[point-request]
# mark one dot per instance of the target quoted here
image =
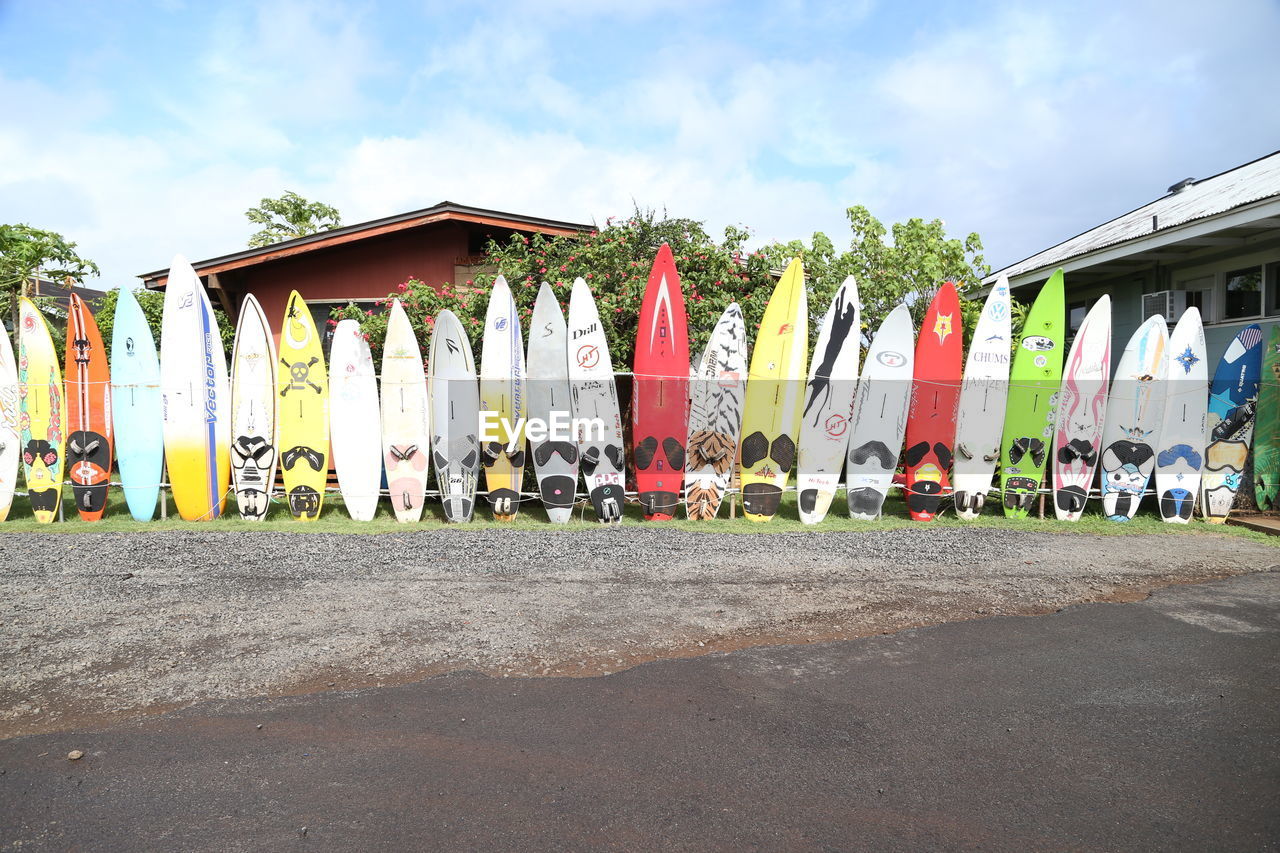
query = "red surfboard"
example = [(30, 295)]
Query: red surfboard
[(89, 438), (935, 393), (660, 391)]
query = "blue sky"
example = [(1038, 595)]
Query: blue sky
[(140, 130)]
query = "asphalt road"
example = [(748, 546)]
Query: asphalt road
[(1144, 726)]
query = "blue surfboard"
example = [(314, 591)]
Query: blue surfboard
[(135, 407)]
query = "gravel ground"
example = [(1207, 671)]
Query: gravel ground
[(126, 624)]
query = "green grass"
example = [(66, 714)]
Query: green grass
[(333, 519)]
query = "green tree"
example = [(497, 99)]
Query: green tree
[(26, 252), (290, 216), (616, 261), (908, 268)]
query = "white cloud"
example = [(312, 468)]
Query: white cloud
[(1025, 125)]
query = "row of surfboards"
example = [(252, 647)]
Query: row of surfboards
[(224, 433)]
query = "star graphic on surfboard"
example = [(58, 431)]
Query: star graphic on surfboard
[(1187, 360)]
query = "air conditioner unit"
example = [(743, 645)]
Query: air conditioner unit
[(1168, 303)]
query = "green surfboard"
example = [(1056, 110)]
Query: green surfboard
[(1266, 430), (1034, 380)]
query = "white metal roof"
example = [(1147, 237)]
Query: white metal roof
[(1203, 199)]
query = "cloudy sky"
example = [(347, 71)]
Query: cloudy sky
[(139, 130)]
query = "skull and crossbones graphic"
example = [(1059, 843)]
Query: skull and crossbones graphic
[(300, 376)]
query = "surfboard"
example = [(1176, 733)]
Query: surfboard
[(455, 417), (254, 446), (828, 404), (717, 392), (880, 415), (1233, 398), (981, 409), (595, 406), (1082, 412), (1266, 436), (1180, 453), (775, 393), (10, 411), (660, 391), (42, 416), (1135, 411), (195, 395), (302, 411), (88, 389), (555, 454), (935, 393), (353, 410), (503, 398), (1031, 413), (136, 411), (406, 422)]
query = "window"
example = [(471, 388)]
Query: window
[(1244, 294), (1076, 312), (320, 313), (1271, 279)]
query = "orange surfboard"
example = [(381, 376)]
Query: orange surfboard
[(89, 440)]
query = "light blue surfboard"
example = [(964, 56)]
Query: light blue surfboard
[(135, 407)]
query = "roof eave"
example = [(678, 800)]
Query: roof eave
[(444, 211), (1239, 216)]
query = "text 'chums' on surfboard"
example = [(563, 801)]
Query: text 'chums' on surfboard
[(961, 399)]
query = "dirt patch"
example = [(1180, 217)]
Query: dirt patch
[(220, 615)]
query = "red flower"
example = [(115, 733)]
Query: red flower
[(402, 287)]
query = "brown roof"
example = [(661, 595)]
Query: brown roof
[(444, 211)]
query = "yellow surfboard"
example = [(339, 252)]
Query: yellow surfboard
[(43, 414), (303, 410), (775, 393)]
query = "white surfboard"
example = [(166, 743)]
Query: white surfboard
[(1134, 413), (1082, 412), (455, 417), (254, 447), (196, 392), (717, 390), (406, 436), (880, 415), (354, 421), (983, 394), (595, 400), (828, 404), (10, 440), (1180, 453), (503, 393), (555, 457)]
